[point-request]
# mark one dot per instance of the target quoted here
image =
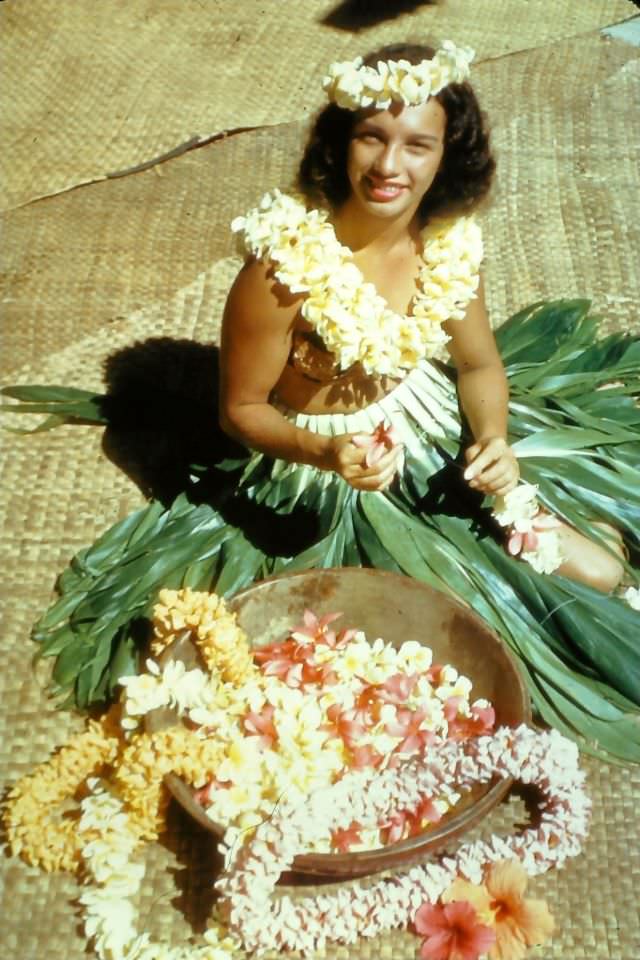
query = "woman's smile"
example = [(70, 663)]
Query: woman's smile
[(383, 191), (394, 156)]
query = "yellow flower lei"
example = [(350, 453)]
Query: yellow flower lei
[(212, 627), (354, 321), (36, 828)]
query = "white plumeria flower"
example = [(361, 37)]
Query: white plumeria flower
[(518, 507), (548, 555), (632, 597)]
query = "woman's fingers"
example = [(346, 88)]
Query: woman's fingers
[(507, 488), (492, 467), (376, 477), (487, 453)]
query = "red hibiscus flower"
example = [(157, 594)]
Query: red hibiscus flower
[(452, 931)]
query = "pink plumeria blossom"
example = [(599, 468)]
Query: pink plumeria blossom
[(461, 727), (407, 725), (343, 724), (409, 823), (343, 839), (398, 688), (261, 724), (315, 629), (203, 795), (293, 663), (377, 443), (365, 756), (450, 708)]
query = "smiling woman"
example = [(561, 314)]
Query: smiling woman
[(361, 447)]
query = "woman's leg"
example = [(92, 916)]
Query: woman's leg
[(590, 562)]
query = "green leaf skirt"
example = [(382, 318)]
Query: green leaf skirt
[(575, 427)]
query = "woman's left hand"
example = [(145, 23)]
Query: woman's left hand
[(492, 467)]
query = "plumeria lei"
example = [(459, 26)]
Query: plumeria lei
[(353, 320), (117, 816), (354, 86), (533, 534), (256, 921)]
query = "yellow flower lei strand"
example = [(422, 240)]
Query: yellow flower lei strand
[(32, 829), (223, 645), (139, 765), (148, 759)]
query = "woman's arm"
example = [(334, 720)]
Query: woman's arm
[(484, 397), (258, 323)]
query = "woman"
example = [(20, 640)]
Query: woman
[(359, 452), (391, 158)]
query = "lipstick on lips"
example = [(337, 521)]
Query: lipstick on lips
[(383, 191)]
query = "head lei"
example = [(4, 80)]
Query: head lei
[(353, 86)]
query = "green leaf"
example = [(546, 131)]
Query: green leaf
[(71, 660), (49, 424), (561, 442), (535, 333), (125, 660), (38, 393), (240, 563)]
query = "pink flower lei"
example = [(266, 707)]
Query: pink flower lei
[(546, 760)]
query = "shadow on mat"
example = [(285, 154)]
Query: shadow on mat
[(161, 405), (162, 412), (360, 14)]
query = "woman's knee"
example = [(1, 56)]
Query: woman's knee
[(590, 562)]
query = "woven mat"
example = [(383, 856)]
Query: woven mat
[(152, 254), (149, 255), (95, 88)]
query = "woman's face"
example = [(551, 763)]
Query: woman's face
[(394, 156)]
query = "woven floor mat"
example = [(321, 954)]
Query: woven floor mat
[(62, 492), (84, 262), (93, 89), (149, 254)]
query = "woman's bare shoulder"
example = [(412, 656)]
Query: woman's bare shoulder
[(256, 289)]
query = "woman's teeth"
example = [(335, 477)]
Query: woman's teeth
[(381, 191)]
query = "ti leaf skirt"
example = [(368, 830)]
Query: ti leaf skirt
[(575, 427)]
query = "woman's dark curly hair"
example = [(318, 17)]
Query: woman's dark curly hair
[(467, 166)]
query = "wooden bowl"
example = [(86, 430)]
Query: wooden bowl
[(397, 609)]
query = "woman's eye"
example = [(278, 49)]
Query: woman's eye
[(368, 137)]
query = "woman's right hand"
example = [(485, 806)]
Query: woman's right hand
[(348, 460)]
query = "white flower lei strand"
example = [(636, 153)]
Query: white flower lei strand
[(352, 319), (547, 760), (533, 534), (109, 912), (353, 86)]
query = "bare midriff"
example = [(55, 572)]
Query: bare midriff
[(312, 383)]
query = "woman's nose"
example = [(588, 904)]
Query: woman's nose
[(387, 160)]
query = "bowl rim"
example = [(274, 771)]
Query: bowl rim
[(401, 853)]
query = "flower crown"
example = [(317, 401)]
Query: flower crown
[(351, 85)]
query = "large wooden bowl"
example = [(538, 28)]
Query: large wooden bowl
[(395, 608)]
